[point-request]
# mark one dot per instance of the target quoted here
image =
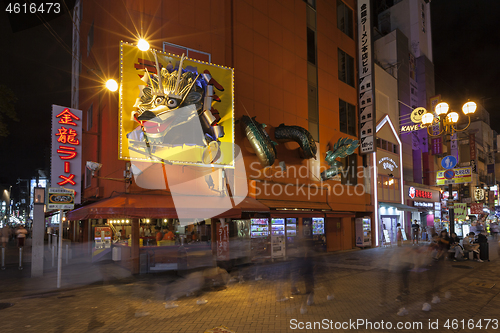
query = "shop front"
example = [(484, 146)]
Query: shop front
[(143, 233), (426, 200)]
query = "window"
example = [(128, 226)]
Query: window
[(90, 39), (346, 68), (347, 117), (350, 170), (388, 146), (90, 117), (344, 18), (313, 112), (311, 46)]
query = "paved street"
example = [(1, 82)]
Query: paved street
[(358, 279)]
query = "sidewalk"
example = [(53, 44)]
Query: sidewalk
[(358, 279)]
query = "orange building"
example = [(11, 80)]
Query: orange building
[(294, 63)]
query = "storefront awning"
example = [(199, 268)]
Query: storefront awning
[(286, 208), (399, 206), (286, 204), (147, 205)]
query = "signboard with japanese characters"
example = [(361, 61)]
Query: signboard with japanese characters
[(460, 210), (473, 155), (460, 176), (66, 160), (222, 242), (476, 208), (366, 91)]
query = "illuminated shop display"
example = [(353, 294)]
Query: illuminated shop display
[(278, 227), (174, 109), (66, 149), (259, 228), (318, 224), (291, 227)]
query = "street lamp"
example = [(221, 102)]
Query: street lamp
[(448, 120)]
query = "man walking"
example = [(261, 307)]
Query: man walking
[(415, 231)]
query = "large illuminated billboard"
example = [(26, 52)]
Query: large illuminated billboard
[(175, 109)]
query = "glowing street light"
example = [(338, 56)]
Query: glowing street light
[(143, 45), (112, 85), (448, 119)]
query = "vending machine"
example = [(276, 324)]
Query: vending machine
[(363, 232), (291, 229), (278, 238), (259, 235)]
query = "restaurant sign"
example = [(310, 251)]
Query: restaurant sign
[(66, 156)]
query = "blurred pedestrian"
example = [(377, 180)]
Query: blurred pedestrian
[(399, 235), (494, 230), (21, 233), (5, 235)]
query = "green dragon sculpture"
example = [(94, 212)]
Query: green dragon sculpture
[(343, 148)]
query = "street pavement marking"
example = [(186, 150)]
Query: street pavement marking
[(482, 284)]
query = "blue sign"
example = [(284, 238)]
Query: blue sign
[(449, 162)]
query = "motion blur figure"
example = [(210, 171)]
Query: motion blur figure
[(193, 284)]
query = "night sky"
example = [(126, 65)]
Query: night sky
[(38, 69)]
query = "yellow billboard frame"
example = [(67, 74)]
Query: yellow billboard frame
[(131, 73)]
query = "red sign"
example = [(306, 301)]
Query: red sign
[(414, 193), (476, 208), (222, 242)]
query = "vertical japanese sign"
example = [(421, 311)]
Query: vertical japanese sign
[(66, 159), (437, 146), (473, 155), (222, 242), (366, 90)]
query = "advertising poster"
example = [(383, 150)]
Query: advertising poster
[(460, 210), (102, 243), (174, 108)]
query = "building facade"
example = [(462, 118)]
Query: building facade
[(292, 65)]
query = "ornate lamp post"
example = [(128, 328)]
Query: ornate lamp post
[(448, 121)]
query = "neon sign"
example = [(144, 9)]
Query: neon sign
[(66, 148)]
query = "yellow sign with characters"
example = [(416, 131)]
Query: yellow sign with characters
[(175, 109), (454, 176)]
